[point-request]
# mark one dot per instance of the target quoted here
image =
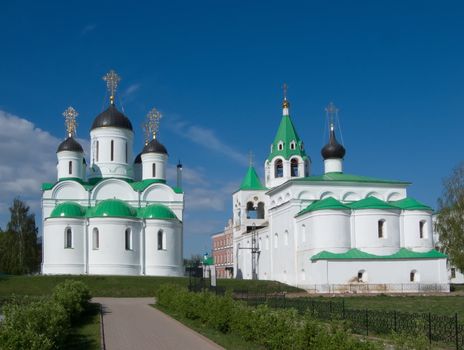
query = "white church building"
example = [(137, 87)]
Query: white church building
[(116, 216), (334, 232)]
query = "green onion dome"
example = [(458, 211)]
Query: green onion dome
[(113, 208), (158, 211), (68, 210)]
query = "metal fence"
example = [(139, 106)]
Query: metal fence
[(378, 288), (439, 329)]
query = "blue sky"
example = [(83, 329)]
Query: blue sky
[(215, 69)]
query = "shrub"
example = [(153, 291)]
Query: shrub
[(74, 296), (271, 328), (36, 326)]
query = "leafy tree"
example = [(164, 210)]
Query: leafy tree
[(450, 218), (18, 244)]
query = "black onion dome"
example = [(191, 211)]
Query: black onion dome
[(70, 144), (333, 150), (138, 159), (154, 147), (112, 117)]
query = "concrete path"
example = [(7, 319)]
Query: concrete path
[(131, 323)]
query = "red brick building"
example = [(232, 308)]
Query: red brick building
[(223, 252)]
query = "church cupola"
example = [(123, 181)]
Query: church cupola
[(287, 158), (111, 138), (70, 154), (333, 152), (154, 155)]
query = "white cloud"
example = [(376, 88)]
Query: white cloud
[(206, 138), (131, 90), (28, 158), (88, 28)]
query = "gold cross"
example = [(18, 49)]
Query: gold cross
[(153, 121), (70, 115), (112, 80)]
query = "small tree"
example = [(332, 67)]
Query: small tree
[(18, 245), (450, 218)]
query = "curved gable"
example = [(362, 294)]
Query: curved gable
[(113, 188), (158, 192), (69, 190)]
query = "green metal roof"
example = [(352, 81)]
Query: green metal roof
[(112, 208), (68, 210), (138, 186), (371, 203), (342, 177), (157, 211), (410, 204), (355, 254), (208, 261), (287, 133), (251, 181), (323, 204)]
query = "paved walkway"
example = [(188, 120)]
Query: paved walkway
[(131, 323)]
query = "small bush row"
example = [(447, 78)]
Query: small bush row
[(43, 324), (271, 328)]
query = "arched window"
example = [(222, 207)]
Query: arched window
[(250, 211), (414, 276), (303, 233), (112, 150), (70, 167), (279, 168), (422, 229), (286, 237), (292, 145), (126, 152), (381, 231), (95, 238), (260, 211), (294, 167), (267, 242), (153, 169), (161, 240), (362, 276), (97, 149), (128, 239), (276, 238), (280, 146), (68, 238)]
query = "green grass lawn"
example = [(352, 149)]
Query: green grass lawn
[(119, 286), (85, 333), (445, 305)]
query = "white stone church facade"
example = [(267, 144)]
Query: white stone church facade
[(118, 216), (333, 232)]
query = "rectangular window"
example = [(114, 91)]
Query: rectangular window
[(112, 150), (154, 170), (126, 152), (97, 149), (70, 167)]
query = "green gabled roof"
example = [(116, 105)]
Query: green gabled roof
[(68, 210), (157, 211), (251, 181), (341, 177), (354, 254), (287, 133), (371, 203), (140, 186), (112, 208), (324, 204), (410, 204)]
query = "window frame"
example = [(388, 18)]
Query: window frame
[(68, 240)]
